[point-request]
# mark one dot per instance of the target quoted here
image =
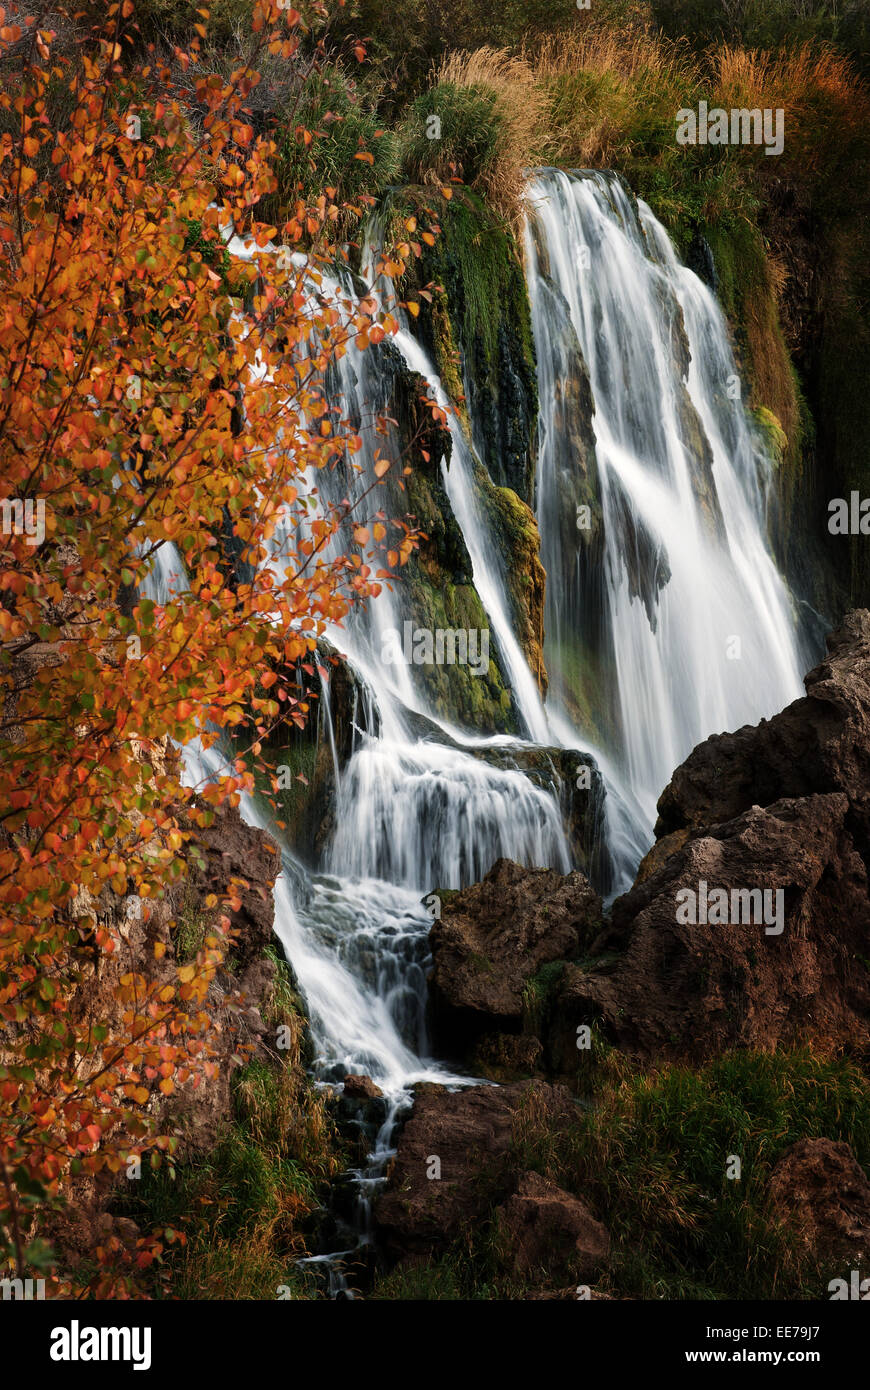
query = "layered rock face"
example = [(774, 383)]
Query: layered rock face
[(777, 816)]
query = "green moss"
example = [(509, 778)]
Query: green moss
[(479, 329)]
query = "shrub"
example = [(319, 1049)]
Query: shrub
[(328, 133), (489, 110)]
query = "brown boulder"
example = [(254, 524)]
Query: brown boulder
[(548, 1230), (493, 937), (454, 1162), (820, 743), (820, 1189), (361, 1088), (232, 852), (695, 989), (785, 808)]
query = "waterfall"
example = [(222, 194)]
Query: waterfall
[(647, 593), (666, 617)]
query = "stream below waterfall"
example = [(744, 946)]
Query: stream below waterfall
[(666, 620)]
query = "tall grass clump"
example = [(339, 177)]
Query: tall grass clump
[(651, 1154), (328, 133), (611, 97), (481, 123)]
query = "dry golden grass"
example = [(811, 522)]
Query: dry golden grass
[(519, 109), (600, 51), (605, 91), (826, 106)]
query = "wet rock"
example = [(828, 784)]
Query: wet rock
[(646, 562), (493, 938), (341, 711), (514, 530), (454, 1160), (361, 1088), (548, 1231), (699, 258), (437, 582), (819, 743), (822, 1191), (555, 770)]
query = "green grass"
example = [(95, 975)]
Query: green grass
[(649, 1155), (652, 1156), (244, 1205), (329, 134)]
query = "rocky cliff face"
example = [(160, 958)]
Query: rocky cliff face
[(780, 809)]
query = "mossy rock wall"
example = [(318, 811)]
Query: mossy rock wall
[(478, 328), (437, 586)]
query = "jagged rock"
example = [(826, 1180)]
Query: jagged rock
[(819, 743), (683, 989), (781, 808), (820, 1189), (362, 1088), (547, 1229), (494, 937), (470, 1134), (233, 849)]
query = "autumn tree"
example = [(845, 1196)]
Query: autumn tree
[(158, 395)]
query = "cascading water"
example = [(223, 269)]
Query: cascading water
[(639, 617), (666, 617)]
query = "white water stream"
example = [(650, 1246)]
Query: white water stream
[(679, 482)]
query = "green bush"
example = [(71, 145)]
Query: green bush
[(467, 142), (329, 135)]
